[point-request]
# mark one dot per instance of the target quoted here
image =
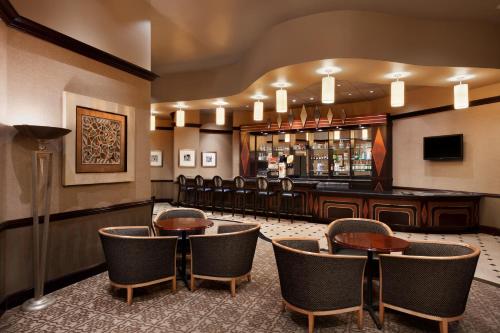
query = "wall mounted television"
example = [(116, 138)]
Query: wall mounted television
[(444, 147)]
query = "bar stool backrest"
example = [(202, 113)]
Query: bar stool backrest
[(199, 181), (286, 184), (262, 184), (217, 180), (239, 182), (182, 180)]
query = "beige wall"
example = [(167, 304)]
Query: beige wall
[(34, 74)]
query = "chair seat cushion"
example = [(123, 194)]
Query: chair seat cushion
[(187, 188), (243, 191), (265, 193), (290, 194), (221, 190), (204, 189)]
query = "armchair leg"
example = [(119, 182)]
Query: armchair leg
[(174, 285), (360, 318), (249, 277), (193, 283), (310, 319), (233, 287), (283, 306), (130, 294), (443, 326), (381, 312)]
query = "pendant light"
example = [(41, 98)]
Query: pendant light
[(328, 84), (397, 92), (220, 113), (180, 114), (152, 123), (287, 137), (461, 92), (281, 96), (258, 107)]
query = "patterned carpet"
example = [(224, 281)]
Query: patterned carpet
[(89, 306)]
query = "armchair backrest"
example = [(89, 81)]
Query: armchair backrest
[(226, 254), (134, 257), (433, 278), (318, 281), (178, 212)]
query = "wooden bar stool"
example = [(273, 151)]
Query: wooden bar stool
[(218, 188), (262, 192), (183, 188), (288, 195), (240, 192), (201, 191)]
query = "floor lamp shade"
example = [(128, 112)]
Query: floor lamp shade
[(220, 116), (328, 90), (461, 96), (281, 101), (258, 111), (397, 94)]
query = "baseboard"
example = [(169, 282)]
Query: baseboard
[(17, 298), (489, 230), (170, 201)]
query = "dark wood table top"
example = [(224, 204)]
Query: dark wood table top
[(183, 223), (370, 241)]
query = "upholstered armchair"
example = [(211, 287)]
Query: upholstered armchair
[(225, 256), (318, 284), (178, 212), (353, 225), (136, 259), (429, 280)]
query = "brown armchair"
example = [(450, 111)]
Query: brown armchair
[(225, 256), (318, 284), (136, 259), (429, 280)]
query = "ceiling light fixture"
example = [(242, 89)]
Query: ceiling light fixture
[(281, 96), (180, 115), (287, 137), (152, 123), (328, 84), (258, 107), (220, 113), (397, 89), (461, 91)]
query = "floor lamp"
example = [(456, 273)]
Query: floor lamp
[(41, 175)]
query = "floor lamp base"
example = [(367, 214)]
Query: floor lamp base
[(38, 304)]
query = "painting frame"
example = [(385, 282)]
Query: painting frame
[(209, 159), (70, 101), (187, 158), (156, 158)]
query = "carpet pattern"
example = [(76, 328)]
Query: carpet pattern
[(89, 306)]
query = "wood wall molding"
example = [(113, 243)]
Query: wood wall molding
[(215, 131), (162, 180), (488, 195), (28, 221), (13, 19), (444, 108)]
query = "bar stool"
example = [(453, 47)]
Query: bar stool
[(201, 191), (183, 188), (218, 188), (287, 194), (262, 192), (240, 192)]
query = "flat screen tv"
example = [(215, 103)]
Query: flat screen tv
[(444, 147)]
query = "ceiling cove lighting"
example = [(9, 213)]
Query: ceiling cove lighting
[(220, 113), (281, 96), (180, 115), (398, 89), (258, 107), (461, 92), (328, 84)]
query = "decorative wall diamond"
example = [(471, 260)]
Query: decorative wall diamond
[(268, 123), (317, 116), (290, 119), (303, 115), (343, 116), (379, 152), (329, 116), (278, 121), (245, 152)]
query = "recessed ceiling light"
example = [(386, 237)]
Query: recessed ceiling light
[(461, 77), (281, 84), (294, 100), (311, 98), (247, 106), (220, 102), (397, 75), (328, 70), (371, 91), (349, 94), (180, 105), (338, 84)]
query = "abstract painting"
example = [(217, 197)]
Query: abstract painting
[(100, 141)]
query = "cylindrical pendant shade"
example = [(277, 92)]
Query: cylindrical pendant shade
[(461, 96), (281, 101), (258, 111), (397, 94), (328, 90), (336, 135), (220, 116), (180, 118), (364, 134), (152, 123), (287, 137)]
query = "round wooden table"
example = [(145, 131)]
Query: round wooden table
[(183, 224), (371, 242)]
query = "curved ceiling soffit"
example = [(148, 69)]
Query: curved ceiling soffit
[(341, 34)]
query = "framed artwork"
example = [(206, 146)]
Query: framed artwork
[(209, 159), (156, 158), (187, 158), (101, 144)]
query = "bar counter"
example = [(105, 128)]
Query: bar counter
[(402, 209)]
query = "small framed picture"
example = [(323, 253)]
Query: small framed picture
[(209, 159), (156, 158), (187, 158)]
